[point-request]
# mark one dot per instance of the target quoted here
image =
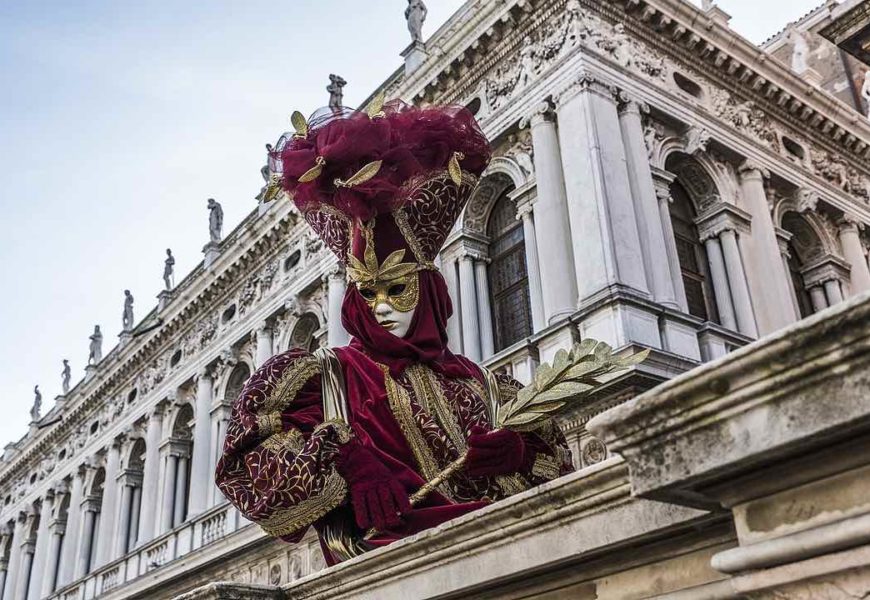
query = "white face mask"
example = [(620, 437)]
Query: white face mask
[(396, 322)]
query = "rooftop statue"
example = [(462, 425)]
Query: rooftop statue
[(215, 220), (127, 315), (95, 351), (415, 14), (66, 374), (394, 433), (169, 270), (37, 404), (336, 91)]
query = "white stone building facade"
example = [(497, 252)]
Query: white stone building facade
[(658, 182)]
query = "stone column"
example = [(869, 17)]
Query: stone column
[(41, 547), (136, 506), (18, 534), (150, 475), (818, 299), (264, 344), (180, 487), (558, 293), (200, 478), (73, 527), (536, 297), (783, 237), (737, 279), (89, 510), (767, 280), (168, 496), (122, 532), (57, 530), (26, 568), (853, 252), (454, 330), (646, 204), (109, 506), (604, 232), (663, 196), (833, 292), (336, 286), (720, 282), (4, 559), (470, 325), (487, 346)]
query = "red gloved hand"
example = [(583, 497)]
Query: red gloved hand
[(377, 497), (499, 452)]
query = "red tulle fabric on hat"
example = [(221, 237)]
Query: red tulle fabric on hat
[(410, 141)]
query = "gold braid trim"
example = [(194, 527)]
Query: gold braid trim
[(268, 423), (306, 512), (292, 440), (545, 466), (426, 387), (401, 220), (400, 405), (342, 431), (289, 384)]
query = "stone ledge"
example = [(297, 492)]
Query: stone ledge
[(803, 388), (233, 591), (567, 521)]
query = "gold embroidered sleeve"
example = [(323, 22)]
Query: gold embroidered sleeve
[(277, 462)]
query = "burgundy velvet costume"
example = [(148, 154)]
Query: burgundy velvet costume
[(412, 403)]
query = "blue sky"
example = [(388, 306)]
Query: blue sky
[(119, 119)]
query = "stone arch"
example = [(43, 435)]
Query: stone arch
[(806, 240), (302, 333), (491, 187), (135, 459), (182, 423), (785, 212), (507, 166), (232, 386), (97, 483), (696, 178)]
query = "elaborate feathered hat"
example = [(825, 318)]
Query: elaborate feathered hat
[(382, 187)]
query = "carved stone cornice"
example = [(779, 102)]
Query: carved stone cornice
[(827, 268)]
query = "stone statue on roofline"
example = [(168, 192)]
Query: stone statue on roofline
[(865, 93), (336, 91), (66, 374), (215, 220), (169, 270), (37, 404), (127, 315), (800, 50), (415, 14), (95, 353)]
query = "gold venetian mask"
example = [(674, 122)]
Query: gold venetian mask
[(401, 293), (392, 282)]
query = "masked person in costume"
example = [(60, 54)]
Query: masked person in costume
[(341, 437)]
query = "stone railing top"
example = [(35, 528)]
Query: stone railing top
[(233, 591), (592, 511), (802, 388)]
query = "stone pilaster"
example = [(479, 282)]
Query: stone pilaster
[(850, 239), (336, 285), (109, 506), (646, 204), (604, 232), (559, 294), (263, 337), (151, 474), (200, 478), (767, 280), (536, 295), (470, 324), (487, 346)]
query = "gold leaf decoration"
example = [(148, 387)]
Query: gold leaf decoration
[(361, 176), (571, 378), (375, 108), (454, 168), (311, 174), (297, 119)]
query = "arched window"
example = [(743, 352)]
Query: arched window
[(133, 479), (804, 248), (508, 275), (692, 256), (303, 333), (177, 472)]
